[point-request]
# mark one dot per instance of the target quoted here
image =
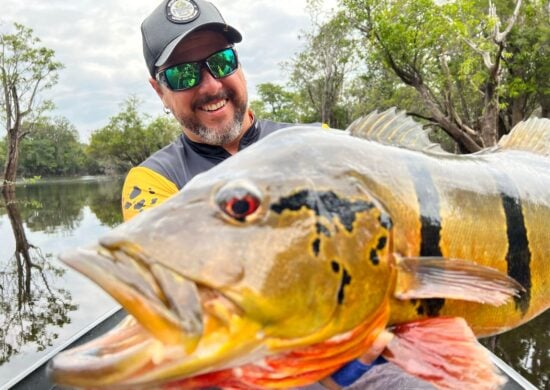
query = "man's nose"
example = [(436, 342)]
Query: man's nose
[(208, 82)]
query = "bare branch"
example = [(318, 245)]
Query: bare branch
[(500, 37)]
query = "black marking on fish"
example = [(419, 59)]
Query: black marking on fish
[(136, 191), (127, 205), (382, 243), (518, 258), (326, 204), (375, 260), (346, 280), (152, 192), (139, 205), (316, 246), (430, 222), (321, 229), (154, 200), (335, 266), (430, 307)]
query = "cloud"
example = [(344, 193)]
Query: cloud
[(99, 42)]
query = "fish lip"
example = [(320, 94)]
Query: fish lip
[(111, 244), (85, 366), (129, 274), (138, 254), (94, 363)]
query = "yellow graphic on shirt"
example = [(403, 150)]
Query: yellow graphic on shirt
[(143, 189)]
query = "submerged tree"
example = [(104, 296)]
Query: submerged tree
[(26, 69)]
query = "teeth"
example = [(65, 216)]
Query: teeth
[(214, 107)]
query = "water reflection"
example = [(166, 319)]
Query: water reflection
[(527, 350), (58, 205), (39, 296), (30, 297)]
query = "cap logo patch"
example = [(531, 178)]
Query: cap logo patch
[(182, 11)]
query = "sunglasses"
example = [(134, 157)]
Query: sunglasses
[(188, 75)]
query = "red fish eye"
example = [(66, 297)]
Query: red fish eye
[(239, 199), (240, 207)]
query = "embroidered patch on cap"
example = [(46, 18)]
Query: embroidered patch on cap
[(182, 11)]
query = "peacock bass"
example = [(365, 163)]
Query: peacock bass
[(298, 254)]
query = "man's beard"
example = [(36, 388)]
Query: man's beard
[(219, 136)]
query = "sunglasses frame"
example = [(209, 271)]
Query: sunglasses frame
[(161, 75)]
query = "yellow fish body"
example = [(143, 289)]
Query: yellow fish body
[(291, 258)]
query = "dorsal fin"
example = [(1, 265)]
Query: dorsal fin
[(532, 135), (393, 127)]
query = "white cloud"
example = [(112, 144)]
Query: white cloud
[(99, 42)]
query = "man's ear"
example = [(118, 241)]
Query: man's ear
[(157, 87)]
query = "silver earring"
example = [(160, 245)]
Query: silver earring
[(166, 110)]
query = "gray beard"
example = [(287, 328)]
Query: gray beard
[(219, 137)]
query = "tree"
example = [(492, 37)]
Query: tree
[(131, 137), (454, 54), (276, 104), (52, 149), (26, 69), (319, 71), (526, 80)]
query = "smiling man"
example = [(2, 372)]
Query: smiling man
[(194, 68)]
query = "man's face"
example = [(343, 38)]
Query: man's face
[(213, 111)]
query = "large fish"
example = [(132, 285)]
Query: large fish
[(301, 252)]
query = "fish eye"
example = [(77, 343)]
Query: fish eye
[(239, 200)]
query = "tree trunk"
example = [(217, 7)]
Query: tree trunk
[(489, 120), (10, 169), (544, 101)]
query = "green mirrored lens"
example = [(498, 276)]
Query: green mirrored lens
[(188, 75), (183, 76), (223, 63)]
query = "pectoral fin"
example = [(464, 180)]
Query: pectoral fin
[(444, 352), (419, 278)]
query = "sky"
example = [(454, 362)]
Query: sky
[(99, 43)]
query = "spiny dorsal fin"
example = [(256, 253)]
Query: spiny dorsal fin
[(393, 127), (532, 135)]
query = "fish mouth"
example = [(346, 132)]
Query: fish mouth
[(176, 327)]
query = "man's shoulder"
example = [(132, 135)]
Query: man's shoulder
[(170, 152), (166, 160)]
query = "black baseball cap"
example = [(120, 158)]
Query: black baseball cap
[(172, 21)]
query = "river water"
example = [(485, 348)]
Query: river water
[(43, 304)]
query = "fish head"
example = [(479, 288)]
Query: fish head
[(240, 260)]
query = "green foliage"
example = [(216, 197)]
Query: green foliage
[(276, 104), (131, 137), (53, 149), (465, 77)]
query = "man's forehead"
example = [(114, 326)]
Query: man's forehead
[(198, 45)]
